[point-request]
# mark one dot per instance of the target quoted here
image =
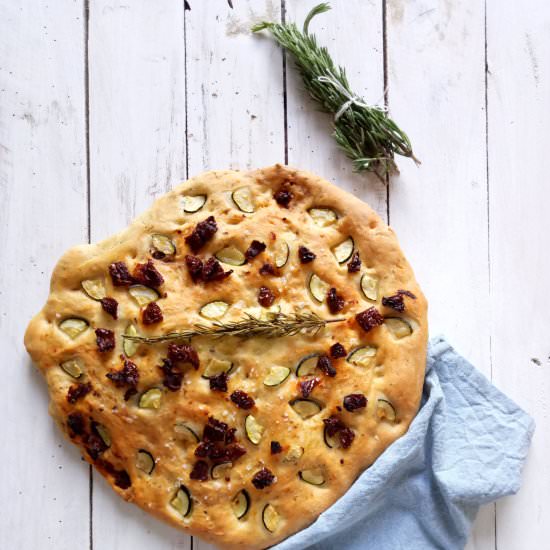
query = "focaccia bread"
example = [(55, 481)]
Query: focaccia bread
[(242, 438)]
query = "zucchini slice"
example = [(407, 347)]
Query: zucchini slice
[(306, 365), (242, 197), (323, 217), (385, 410), (216, 367), (276, 375), (129, 347), (332, 442), (214, 310), (254, 430), (182, 502), (163, 244), (143, 295), (186, 434), (362, 356), (94, 288), (73, 367), (104, 434), (145, 461), (230, 255), (369, 287), (193, 203), (221, 470), (398, 327), (317, 288), (313, 477), (73, 326), (281, 254), (150, 399), (344, 251), (270, 518), (306, 408), (240, 504)]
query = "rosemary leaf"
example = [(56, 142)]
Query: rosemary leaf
[(366, 134), (276, 326)]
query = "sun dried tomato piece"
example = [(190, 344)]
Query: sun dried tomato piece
[(354, 401), (199, 471), (230, 435), (219, 383), (333, 424), (283, 196), (214, 430), (203, 449), (172, 375), (105, 339), (110, 306), (369, 319), (396, 301), (276, 448), (94, 445), (335, 302), (265, 297), (324, 364), (127, 376), (354, 264), (213, 271), (269, 269), (306, 255), (262, 479), (194, 266), (120, 274), (129, 393), (233, 452), (78, 391), (255, 248), (147, 275), (337, 350), (151, 314), (242, 399), (406, 293), (184, 353), (346, 436), (307, 386), (76, 424), (202, 233), (122, 479)]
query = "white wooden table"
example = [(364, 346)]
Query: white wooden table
[(105, 104)]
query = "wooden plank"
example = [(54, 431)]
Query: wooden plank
[(436, 80), (352, 32), (519, 118), (137, 151), (235, 92), (43, 210)]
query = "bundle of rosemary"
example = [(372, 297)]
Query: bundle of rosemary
[(366, 134)]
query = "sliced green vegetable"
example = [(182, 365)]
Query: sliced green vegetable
[(254, 430), (240, 504), (323, 216), (344, 251), (281, 254), (73, 326), (214, 310), (73, 367), (230, 255), (314, 477), (130, 346), (276, 375), (306, 408), (193, 203), (398, 327), (182, 502), (143, 295), (163, 244), (104, 434), (385, 410), (243, 199), (221, 470), (332, 442), (306, 365), (186, 434), (216, 367), (362, 356), (270, 518), (150, 399), (369, 287), (145, 461), (94, 288), (318, 288)]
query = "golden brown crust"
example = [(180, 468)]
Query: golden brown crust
[(397, 374)]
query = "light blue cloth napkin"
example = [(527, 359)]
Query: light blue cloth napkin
[(466, 447)]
